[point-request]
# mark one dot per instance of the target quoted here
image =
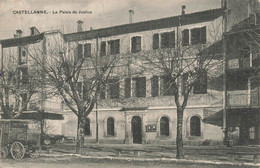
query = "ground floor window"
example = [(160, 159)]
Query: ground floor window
[(110, 127), (87, 127), (164, 126), (195, 126), (252, 133)]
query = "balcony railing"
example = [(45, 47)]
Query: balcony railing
[(243, 99)]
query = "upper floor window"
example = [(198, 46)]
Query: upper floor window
[(155, 86), (168, 40), (84, 50), (127, 87), (200, 86), (110, 127), (139, 87), (166, 88), (114, 46), (198, 35), (195, 126), (103, 48), (136, 44), (111, 90)]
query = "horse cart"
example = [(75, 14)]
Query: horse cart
[(19, 137)]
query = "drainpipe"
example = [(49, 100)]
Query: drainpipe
[(225, 128), (97, 140)]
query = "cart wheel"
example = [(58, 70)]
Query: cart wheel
[(17, 150), (4, 151)]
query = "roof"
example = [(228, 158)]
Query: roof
[(21, 41), (168, 22)]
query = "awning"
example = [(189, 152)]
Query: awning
[(234, 116), (38, 115)]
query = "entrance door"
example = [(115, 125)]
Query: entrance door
[(136, 129)]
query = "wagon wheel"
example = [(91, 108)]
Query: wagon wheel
[(61, 140), (17, 150), (4, 151)]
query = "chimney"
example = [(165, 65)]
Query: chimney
[(34, 31), (131, 13), (80, 23), (183, 7), (18, 33)]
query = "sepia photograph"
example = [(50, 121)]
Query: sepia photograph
[(130, 83)]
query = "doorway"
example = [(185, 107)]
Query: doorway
[(136, 129)]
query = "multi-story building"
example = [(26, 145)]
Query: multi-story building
[(139, 107)]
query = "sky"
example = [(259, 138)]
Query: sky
[(99, 13)]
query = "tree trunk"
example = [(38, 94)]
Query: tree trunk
[(179, 141), (80, 135)]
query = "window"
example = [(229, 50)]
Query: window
[(139, 87), (200, 86), (198, 36), (103, 92), (127, 87), (164, 126), (155, 86), (252, 133), (113, 88), (114, 46), (166, 88), (86, 89), (155, 41), (84, 50), (136, 44), (195, 126), (185, 37), (103, 48), (110, 127), (87, 127), (168, 40)]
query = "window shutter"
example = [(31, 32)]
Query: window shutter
[(133, 41), (155, 41), (80, 51), (114, 88), (103, 92), (117, 47), (172, 39), (127, 87), (87, 50), (103, 48), (183, 83), (195, 36), (201, 84), (203, 35), (138, 44), (141, 87), (185, 37), (155, 86)]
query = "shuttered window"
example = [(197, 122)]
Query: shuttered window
[(168, 40), (164, 126), (135, 44), (113, 88), (114, 46), (80, 51), (139, 87), (166, 86), (198, 36), (195, 126)]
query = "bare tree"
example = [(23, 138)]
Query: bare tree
[(77, 77), (182, 67), (19, 84)]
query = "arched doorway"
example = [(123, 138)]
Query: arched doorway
[(137, 129)]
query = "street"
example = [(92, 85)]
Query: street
[(73, 161)]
